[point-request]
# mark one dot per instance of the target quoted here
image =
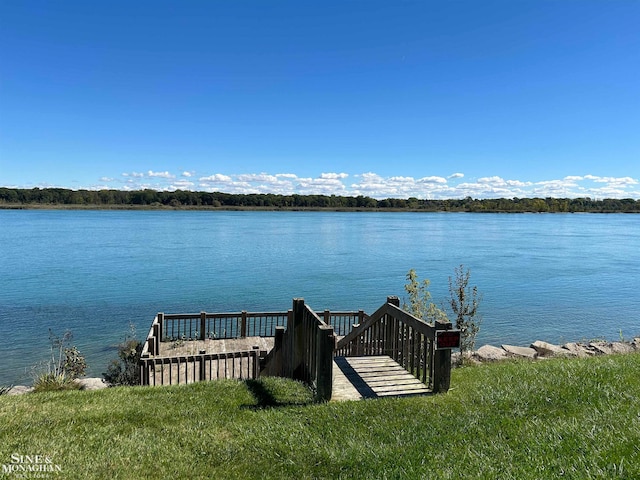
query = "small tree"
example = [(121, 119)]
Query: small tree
[(66, 360), (464, 301), (65, 365), (420, 304)]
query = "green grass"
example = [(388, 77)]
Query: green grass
[(561, 418)]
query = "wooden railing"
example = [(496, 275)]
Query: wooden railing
[(343, 322), (202, 326), (197, 368), (410, 341), (159, 368), (304, 351)]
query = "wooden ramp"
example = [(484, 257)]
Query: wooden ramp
[(355, 378)]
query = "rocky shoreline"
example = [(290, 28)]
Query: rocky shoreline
[(538, 350)]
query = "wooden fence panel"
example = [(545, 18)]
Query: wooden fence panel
[(195, 368)]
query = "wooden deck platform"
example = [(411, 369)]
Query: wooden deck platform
[(355, 378), (193, 347)]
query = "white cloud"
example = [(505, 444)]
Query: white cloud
[(495, 180), (165, 174), (518, 183), (260, 177), (402, 180), (620, 181), (573, 178), (612, 180), (432, 180), (216, 178), (326, 184), (334, 175), (554, 188), (377, 186)]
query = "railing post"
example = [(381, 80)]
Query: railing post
[(327, 317), (393, 343), (277, 368), (156, 338), (388, 335), (325, 342), (256, 361), (201, 375), (161, 323), (243, 324), (441, 368), (298, 334), (203, 325), (151, 346), (144, 373), (287, 352), (393, 300)]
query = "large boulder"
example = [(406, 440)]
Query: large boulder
[(20, 390), (489, 353), (578, 349), (92, 383), (546, 349), (622, 347), (516, 351), (609, 348), (601, 348)]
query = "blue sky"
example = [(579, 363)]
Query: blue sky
[(386, 99)]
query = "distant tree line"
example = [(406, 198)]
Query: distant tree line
[(26, 198)]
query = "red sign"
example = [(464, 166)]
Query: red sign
[(447, 339)]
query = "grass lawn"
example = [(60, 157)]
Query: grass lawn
[(559, 418)]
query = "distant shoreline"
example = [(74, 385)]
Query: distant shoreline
[(65, 199), (207, 208)]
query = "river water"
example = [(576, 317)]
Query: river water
[(554, 277)]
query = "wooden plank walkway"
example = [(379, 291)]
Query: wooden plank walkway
[(355, 378)]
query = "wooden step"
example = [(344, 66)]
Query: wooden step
[(355, 378)]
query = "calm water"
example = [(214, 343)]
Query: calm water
[(551, 277)]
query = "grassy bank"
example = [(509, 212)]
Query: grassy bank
[(557, 418)]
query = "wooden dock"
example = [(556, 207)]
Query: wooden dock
[(355, 378), (340, 355)]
